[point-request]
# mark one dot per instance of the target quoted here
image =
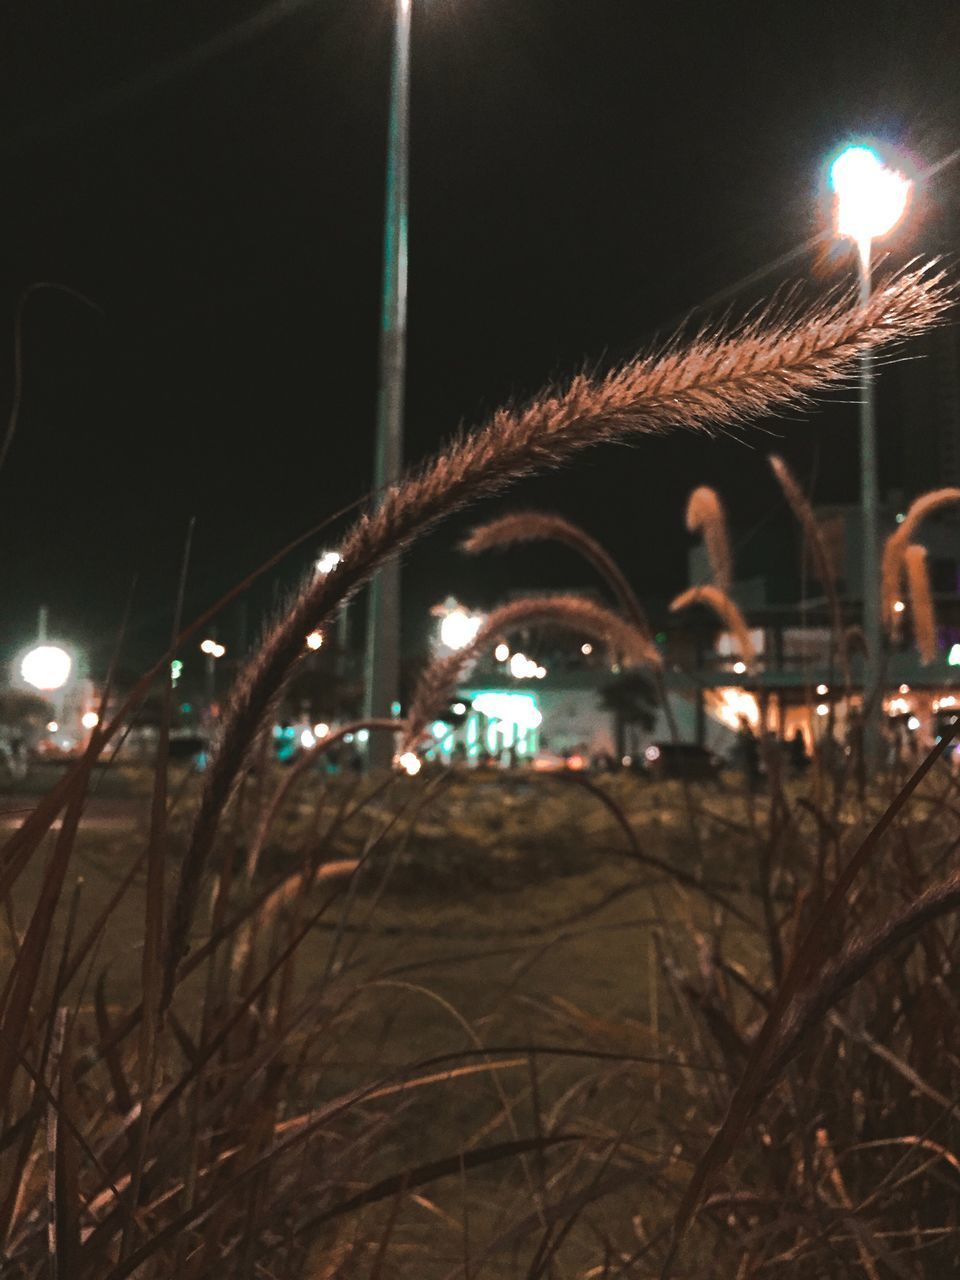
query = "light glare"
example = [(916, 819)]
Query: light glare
[(870, 197), (409, 763), (46, 667), (89, 719), (459, 628)]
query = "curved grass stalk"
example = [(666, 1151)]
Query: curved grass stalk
[(768, 365), (574, 613), (706, 516)]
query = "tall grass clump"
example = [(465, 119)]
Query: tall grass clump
[(243, 1088)]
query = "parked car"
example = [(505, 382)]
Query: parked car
[(681, 760)]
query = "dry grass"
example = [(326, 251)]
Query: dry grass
[(705, 515), (893, 567), (568, 612), (260, 1103), (921, 602), (725, 609)]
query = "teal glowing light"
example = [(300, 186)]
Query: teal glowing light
[(439, 729), (516, 709)]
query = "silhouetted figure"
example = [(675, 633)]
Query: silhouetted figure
[(797, 748), (749, 749)]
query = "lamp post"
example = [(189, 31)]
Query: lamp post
[(870, 200), (382, 665)]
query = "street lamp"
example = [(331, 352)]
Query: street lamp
[(870, 201), (47, 667), (382, 667)]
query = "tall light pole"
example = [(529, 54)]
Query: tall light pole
[(870, 200), (382, 667)]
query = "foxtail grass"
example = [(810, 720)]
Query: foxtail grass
[(769, 364), (568, 612), (921, 602), (892, 565), (538, 526), (706, 516), (725, 609)]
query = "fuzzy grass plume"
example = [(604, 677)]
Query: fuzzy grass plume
[(538, 526), (921, 602), (726, 610), (572, 613), (826, 572), (892, 567), (706, 516), (773, 362)]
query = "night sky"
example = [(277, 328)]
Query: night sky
[(583, 173)]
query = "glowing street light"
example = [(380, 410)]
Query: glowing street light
[(458, 627), (315, 641), (89, 719), (502, 652), (47, 667), (870, 199)]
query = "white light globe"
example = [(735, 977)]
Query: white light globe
[(47, 667), (459, 628), (870, 197)]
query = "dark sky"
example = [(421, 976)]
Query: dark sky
[(583, 172)]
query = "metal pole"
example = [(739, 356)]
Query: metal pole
[(870, 504), (382, 667)]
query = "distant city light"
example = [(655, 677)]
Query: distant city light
[(524, 668), (651, 753), (307, 738), (822, 689), (328, 560), (739, 668), (321, 730), (176, 670), (53, 727), (47, 667), (89, 719), (519, 709), (586, 648), (212, 649), (898, 606), (913, 724), (363, 735), (409, 763), (458, 708), (314, 640), (502, 652), (953, 657), (904, 688), (822, 709), (948, 701), (901, 516), (458, 628), (898, 707), (439, 729)]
